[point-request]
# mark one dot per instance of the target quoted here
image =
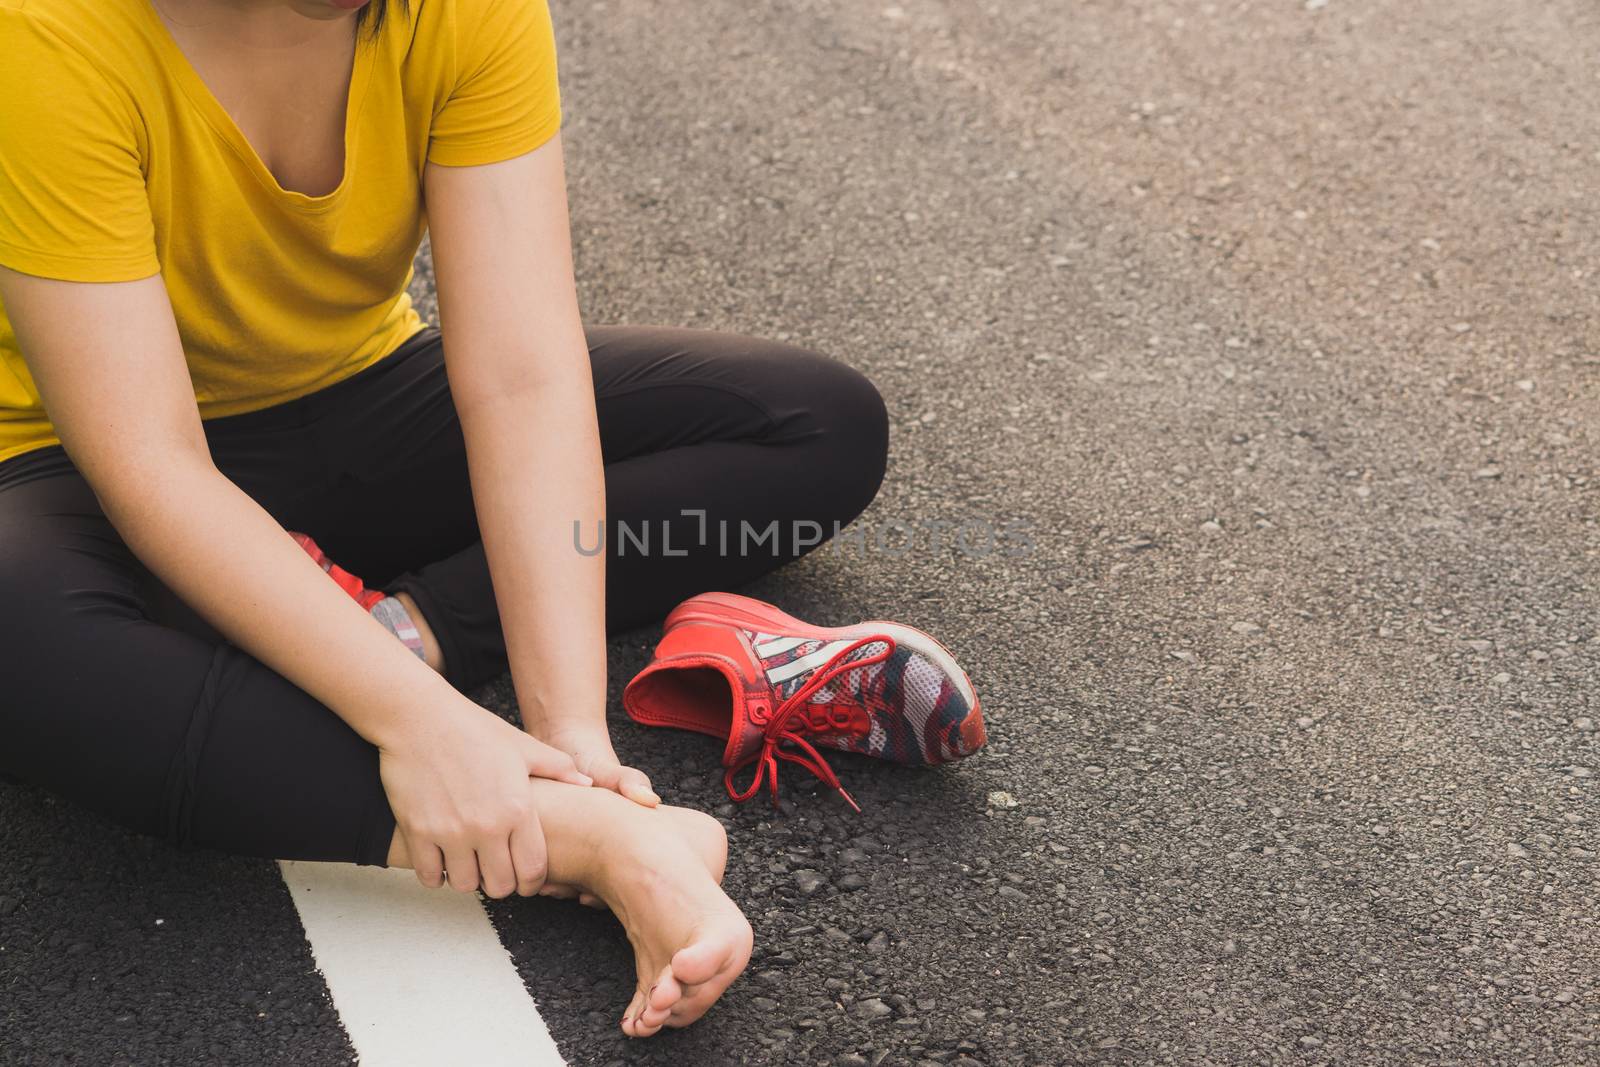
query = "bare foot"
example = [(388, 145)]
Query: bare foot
[(704, 833), (658, 870)]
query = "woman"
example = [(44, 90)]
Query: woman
[(212, 381)]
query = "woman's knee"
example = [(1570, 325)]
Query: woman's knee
[(851, 424)]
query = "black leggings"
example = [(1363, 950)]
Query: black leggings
[(117, 695)]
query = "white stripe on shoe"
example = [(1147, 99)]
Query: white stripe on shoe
[(418, 976), (779, 644), (810, 661)]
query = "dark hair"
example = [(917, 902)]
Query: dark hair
[(370, 17)]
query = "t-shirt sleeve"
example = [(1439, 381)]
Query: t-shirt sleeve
[(504, 99), (73, 202)]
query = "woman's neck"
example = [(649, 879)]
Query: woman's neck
[(258, 24)]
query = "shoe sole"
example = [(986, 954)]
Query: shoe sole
[(762, 617)]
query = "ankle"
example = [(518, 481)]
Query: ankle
[(432, 653), (587, 830)]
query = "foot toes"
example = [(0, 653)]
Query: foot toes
[(630, 1014), (700, 961), (658, 1002), (718, 947)]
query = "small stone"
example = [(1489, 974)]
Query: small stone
[(1516, 851), (852, 882), (1585, 725), (1305, 722), (1480, 645), (809, 881), (1002, 799), (1211, 526), (1310, 1042), (1462, 327), (1245, 628), (1486, 473), (871, 1008), (1501, 679), (878, 943)]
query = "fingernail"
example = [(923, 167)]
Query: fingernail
[(584, 779)]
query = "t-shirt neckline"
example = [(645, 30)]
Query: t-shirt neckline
[(218, 118)]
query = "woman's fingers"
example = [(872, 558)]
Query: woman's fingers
[(495, 868), (528, 857), (545, 761), (461, 867), (427, 861), (635, 785)]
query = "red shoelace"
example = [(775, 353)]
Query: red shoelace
[(780, 729)]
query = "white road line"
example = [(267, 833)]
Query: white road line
[(419, 976)]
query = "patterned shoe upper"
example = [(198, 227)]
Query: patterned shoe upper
[(775, 697), (901, 707)]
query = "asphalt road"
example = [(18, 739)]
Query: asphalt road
[(1274, 323)]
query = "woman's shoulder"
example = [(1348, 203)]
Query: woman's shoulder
[(93, 26), (75, 44)]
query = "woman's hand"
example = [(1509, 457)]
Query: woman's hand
[(459, 792), (591, 751)]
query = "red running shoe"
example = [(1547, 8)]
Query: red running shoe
[(347, 581), (775, 688)]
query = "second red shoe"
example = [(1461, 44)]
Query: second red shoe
[(777, 688)]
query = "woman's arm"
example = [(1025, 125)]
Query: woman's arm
[(109, 364), (518, 363)]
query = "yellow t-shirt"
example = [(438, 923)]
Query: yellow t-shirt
[(117, 162)]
